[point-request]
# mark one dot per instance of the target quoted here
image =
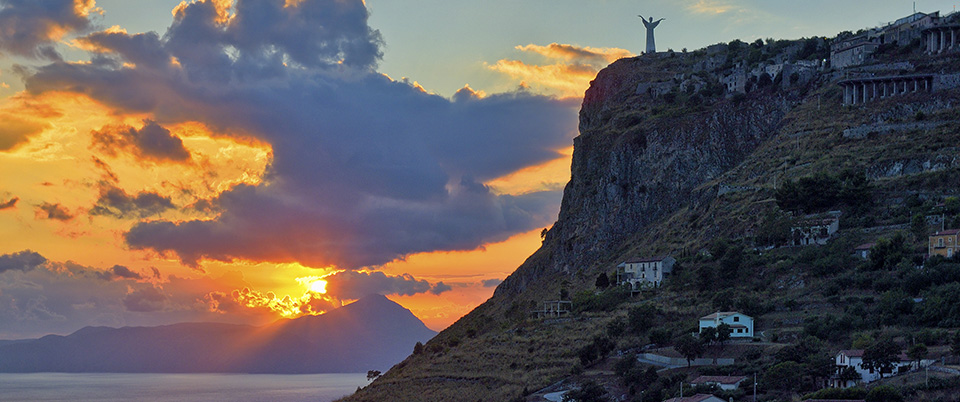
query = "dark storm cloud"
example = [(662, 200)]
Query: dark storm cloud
[(53, 211), (152, 142), (115, 202), (9, 204), (145, 300), (354, 285), (22, 261), (118, 272), (491, 283), (365, 169), (29, 27)]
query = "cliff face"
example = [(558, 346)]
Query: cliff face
[(633, 166), (667, 160)]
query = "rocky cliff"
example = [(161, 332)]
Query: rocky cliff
[(632, 167), (668, 159)]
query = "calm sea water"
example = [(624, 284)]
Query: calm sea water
[(177, 387)]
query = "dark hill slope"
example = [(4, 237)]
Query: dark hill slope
[(372, 333), (646, 177)]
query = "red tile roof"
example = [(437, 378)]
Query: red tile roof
[(853, 352), (695, 398), (645, 259), (719, 379), (948, 232), (833, 400)]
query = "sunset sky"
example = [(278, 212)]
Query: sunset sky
[(248, 160)]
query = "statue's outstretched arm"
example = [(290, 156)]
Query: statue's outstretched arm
[(658, 21)]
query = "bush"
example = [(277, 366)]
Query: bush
[(884, 393)]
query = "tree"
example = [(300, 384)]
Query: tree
[(723, 333), (818, 366), (543, 234), (418, 348), (917, 353), (785, 376), (372, 374), (689, 347), (880, 356), (589, 391), (603, 281), (849, 373), (708, 335), (955, 343), (640, 318)]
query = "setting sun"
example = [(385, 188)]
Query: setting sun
[(318, 286)]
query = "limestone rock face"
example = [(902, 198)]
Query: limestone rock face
[(633, 164)]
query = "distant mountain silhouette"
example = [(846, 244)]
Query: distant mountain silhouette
[(372, 333)]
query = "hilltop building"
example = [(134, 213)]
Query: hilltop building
[(863, 251), (643, 272), (696, 398), (854, 358), (724, 382), (740, 324), (944, 243), (815, 229)]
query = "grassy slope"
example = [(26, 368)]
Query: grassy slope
[(497, 353)]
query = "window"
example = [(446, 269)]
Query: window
[(736, 319), (940, 242)]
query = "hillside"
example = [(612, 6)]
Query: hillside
[(370, 334), (670, 161)]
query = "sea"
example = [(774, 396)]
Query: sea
[(178, 387)]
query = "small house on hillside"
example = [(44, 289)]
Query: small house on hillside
[(944, 243), (854, 358), (741, 325), (725, 382), (696, 398), (815, 229), (644, 272), (863, 251)]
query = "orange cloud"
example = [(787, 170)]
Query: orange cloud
[(15, 131), (711, 7), (568, 69)]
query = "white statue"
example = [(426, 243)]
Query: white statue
[(651, 43)]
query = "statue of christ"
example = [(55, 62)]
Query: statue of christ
[(651, 43)]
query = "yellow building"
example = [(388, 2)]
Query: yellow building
[(944, 243)]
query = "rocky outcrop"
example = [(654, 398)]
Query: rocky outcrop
[(632, 167)]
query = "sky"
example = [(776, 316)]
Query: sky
[(250, 160)]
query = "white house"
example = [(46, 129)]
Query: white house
[(642, 272), (815, 229), (723, 381), (863, 251), (854, 358), (741, 325)]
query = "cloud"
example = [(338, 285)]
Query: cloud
[(440, 287), (491, 283), (115, 202), (569, 68), (29, 27), (53, 211), (15, 131), (145, 300), (151, 142), (23, 261), (365, 169), (119, 272), (355, 285), (9, 204), (714, 7)]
